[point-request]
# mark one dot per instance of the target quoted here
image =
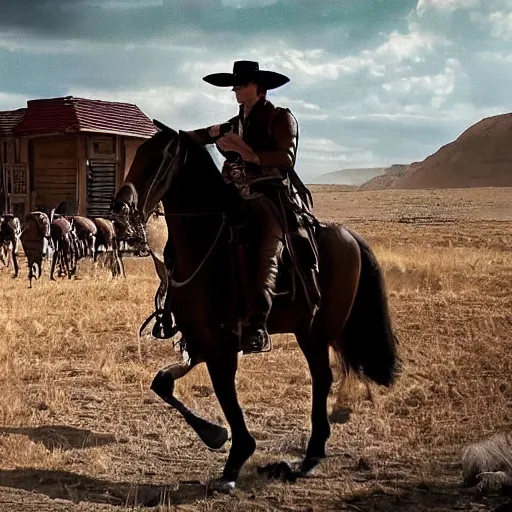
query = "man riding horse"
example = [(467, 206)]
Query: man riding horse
[(260, 146), (203, 269)]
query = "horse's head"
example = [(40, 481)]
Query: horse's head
[(145, 184)]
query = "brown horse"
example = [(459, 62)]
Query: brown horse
[(65, 253), (106, 237), (10, 231), (199, 207), (86, 232), (35, 240)]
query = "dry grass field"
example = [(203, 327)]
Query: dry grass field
[(81, 431)]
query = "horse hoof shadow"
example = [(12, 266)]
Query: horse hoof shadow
[(61, 437), (282, 471), (340, 415)]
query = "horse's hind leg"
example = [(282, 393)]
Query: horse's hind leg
[(120, 264), (91, 246), (53, 262), (316, 352)]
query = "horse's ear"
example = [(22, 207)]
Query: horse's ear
[(162, 127)]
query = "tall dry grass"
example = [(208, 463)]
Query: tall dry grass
[(70, 359)]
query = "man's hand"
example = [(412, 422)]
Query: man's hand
[(235, 143)]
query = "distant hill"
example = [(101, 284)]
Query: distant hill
[(480, 157), (348, 176), (387, 179)]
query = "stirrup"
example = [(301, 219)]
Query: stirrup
[(161, 330), (258, 342)]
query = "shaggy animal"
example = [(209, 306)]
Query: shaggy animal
[(106, 237), (488, 464), (10, 231), (64, 254), (36, 242)]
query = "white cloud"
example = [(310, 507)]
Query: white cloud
[(13, 101), (399, 47), (15, 41), (445, 5), (501, 25), (438, 86), (323, 145), (496, 57)]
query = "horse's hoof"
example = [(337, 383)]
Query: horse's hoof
[(308, 465), (223, 486)]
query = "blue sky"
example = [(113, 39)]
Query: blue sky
[(373, 82)]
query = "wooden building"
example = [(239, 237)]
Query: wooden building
[(13, 176), (68, 149)]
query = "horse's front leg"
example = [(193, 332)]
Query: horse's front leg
[(54, 256), (222, 368), (14, 258), (214, 436), (4, 256)]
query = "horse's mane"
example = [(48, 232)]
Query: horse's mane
[(198, 180)]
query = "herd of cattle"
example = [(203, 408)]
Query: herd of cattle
[(61, 241)]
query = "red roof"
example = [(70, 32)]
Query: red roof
[(8, 121), (61, 115)]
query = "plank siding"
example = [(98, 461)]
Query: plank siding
[(55, 169), (130, 149)]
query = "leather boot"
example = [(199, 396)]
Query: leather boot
[(255, 337)]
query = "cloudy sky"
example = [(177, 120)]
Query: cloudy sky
[(373, 82)]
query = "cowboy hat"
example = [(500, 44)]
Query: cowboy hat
[(245, 71)]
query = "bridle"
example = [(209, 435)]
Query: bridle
[(135, 219)]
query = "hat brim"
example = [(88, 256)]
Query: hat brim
[(268, 79)]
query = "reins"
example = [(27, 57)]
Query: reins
[(180, 284)]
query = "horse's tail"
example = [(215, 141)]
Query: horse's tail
[(368, 344)]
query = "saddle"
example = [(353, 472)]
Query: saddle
[(298, 261)]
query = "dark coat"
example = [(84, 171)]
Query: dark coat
[(272, 133)]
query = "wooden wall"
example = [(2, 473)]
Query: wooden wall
[(130, 148), (13, 151), (58, 163), (54, 169)]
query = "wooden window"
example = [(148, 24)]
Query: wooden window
[(102, 147)]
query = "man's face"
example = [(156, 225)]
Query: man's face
[(246, 93)]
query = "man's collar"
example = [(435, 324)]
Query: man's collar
[(258, 106)]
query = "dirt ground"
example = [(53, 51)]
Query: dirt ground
[(81, 431)]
